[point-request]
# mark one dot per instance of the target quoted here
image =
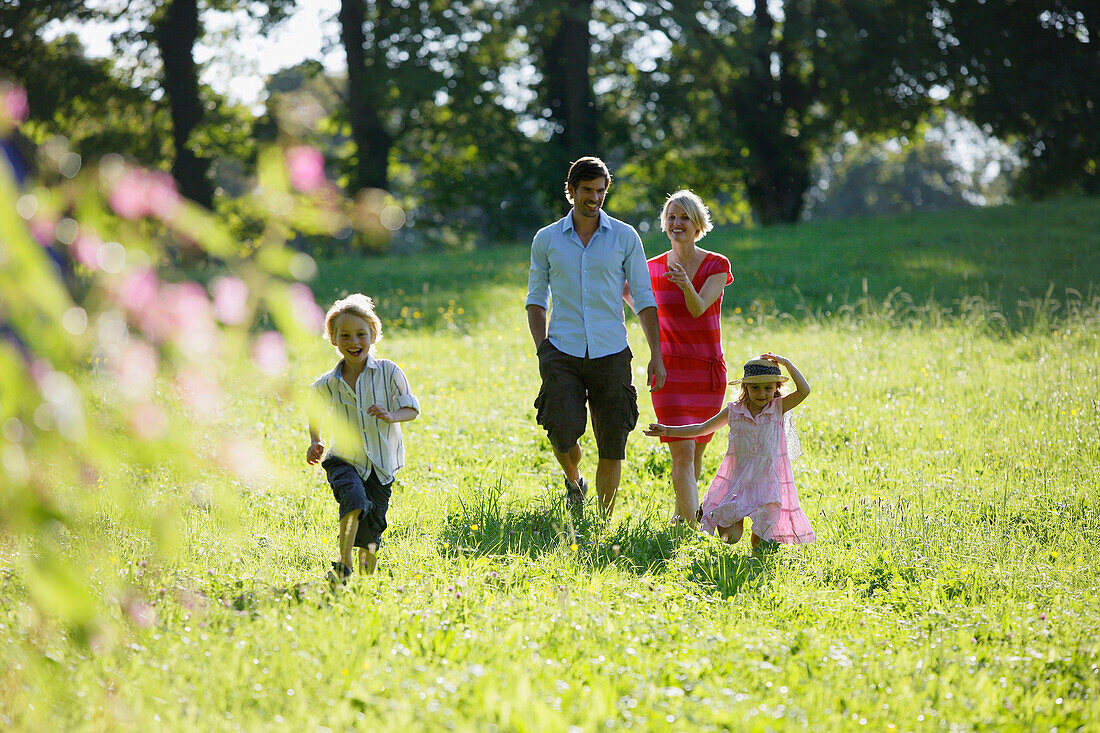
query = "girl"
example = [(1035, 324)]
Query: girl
[(755, 478)]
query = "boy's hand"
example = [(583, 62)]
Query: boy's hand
[(655, 430), (381, 413), (314, 453)]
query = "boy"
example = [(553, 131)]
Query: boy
[(362, 400)]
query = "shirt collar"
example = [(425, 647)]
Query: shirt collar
[(742, 409), (567, 222), (337, 371)]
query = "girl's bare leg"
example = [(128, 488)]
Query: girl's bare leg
[(730, 535), (699, 448)]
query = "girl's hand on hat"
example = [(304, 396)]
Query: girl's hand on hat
[(776, 358)]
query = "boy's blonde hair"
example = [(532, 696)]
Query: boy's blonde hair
[(695, 209), (356, 304)]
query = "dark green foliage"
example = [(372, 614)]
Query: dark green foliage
[(1030, 70)]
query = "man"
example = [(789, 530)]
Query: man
[(586, 260)]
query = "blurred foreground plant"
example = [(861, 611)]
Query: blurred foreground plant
[(115, 365)]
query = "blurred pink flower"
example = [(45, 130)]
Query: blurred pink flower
[(141, 193), (306, 166), (42, 230), (15, 107), (140, 613), (246, 461), (269, 353), (85, 249), (138, 290), (305, 307), (149, 422), (135, 369), (200, 394), (230, 300), (189, 317)]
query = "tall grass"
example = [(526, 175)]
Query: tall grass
[(951, 472)]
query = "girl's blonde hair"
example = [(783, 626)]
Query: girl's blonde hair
[(356, 304), (695, 209)]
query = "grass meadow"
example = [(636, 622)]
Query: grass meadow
[(951, 472)]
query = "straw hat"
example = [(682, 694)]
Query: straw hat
[(760, 370)]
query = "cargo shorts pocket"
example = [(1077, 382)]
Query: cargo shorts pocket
[(542, 415), (630, 406)]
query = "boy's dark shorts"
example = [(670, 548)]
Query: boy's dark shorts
[(371, 497), (604, 383)]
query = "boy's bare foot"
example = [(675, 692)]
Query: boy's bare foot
[(368, 559)]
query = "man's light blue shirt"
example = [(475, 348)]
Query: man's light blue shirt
[(587, 284)]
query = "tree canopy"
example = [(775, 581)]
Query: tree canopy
[(469, 112)]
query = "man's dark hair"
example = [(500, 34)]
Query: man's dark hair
[(587, 168)]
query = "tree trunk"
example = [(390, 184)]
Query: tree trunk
[(366, 84), (176, 34), (572, 104), (778, 171)]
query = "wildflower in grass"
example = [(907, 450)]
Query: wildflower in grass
[(140, 613)]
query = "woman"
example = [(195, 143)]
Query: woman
[(688, 283)]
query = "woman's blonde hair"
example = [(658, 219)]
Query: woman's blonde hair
[(356, 304), (695, 209)]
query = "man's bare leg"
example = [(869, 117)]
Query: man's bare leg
[(608, 474)]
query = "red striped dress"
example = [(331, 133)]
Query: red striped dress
[(691, 347)]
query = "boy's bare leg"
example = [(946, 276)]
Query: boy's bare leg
[(368, 559), (608, 474), (349, 525)]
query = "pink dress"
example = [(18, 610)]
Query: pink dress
[(691, 348), (755, 478)]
